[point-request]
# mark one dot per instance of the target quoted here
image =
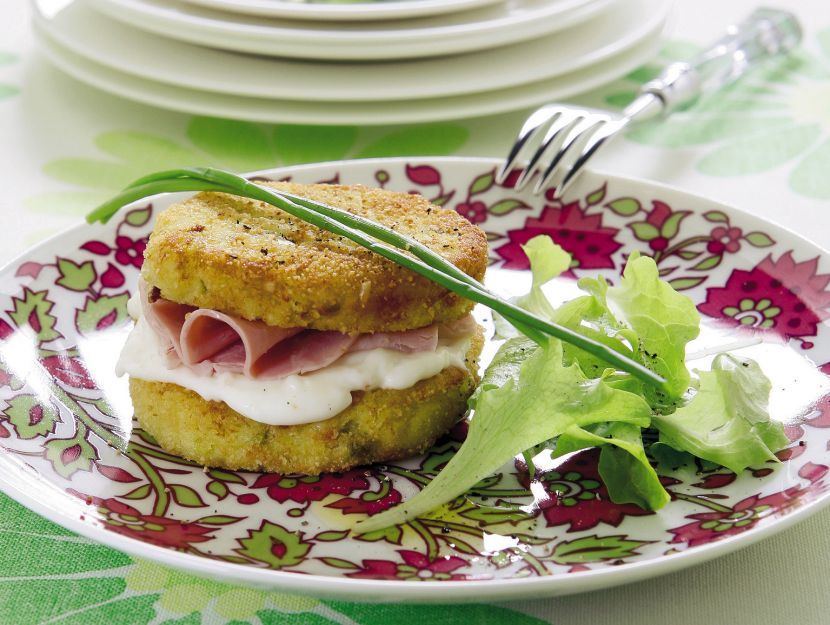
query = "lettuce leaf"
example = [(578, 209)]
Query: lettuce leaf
[(547, 261), (727, 421), (506, 365), (590, 316), (657, 322), (663, 320), (520, 404), (532, 394), (623, 464)]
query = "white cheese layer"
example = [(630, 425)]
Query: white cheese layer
[(297, 398)]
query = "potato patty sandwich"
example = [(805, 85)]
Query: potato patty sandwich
[(265, 343)]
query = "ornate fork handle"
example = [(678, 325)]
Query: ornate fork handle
[(765, 33)]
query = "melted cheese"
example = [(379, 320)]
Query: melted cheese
[(297, 398)]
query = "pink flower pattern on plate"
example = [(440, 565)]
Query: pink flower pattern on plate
[(577, 497), (475, 212), (413, 567), (782, 296), (724, 240), (129, 251), (308, 488), (583, 236), (719, 524), (157, 530)]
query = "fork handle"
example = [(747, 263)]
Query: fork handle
[(764, 34)]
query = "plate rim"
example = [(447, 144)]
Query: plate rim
[(334, 12), (208, 24), (645, 24), (511, 28), (470, 106), (377, 591)]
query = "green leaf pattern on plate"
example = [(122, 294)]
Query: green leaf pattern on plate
[(30, 416), (102, 312), (32, 310), (594, 549), (71, 455), (274, 545), (76, 277)]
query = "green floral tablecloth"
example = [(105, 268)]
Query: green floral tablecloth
[(763, 145)]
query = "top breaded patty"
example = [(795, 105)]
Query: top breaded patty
[(251, 259)]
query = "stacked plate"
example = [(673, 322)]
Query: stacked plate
[(327, 62)]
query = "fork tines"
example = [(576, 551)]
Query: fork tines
[(573, 136)]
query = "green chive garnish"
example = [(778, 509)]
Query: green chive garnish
[(377, 238)]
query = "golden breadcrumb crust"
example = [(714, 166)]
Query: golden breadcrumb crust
[(380, 425), (253, 260)]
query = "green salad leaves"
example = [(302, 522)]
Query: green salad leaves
[(570, 399), (663, 320), (727, 420)]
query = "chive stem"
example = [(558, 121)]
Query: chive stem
[(376, 238), (105, 211)]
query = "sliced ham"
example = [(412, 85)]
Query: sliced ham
[(309, 351), (208, 341), (458, 328), (231, 343), (166, 318), (420, 340)]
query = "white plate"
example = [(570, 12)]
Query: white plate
[(362, 113), (102, 40), (322, 10), (71, 452), (488, 27)]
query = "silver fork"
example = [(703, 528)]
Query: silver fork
[(574, 134)]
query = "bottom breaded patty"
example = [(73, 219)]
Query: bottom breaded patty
[(380, 425)]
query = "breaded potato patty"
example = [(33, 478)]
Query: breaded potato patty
[(380, 425), (250, 259)]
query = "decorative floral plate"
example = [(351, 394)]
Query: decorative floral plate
[(73, 453)]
